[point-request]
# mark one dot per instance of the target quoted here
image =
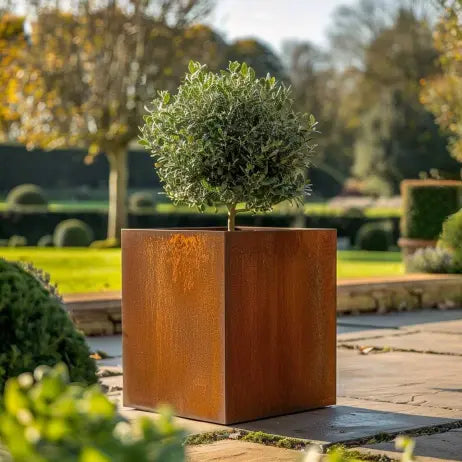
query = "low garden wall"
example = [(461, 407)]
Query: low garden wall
[(100, 313)]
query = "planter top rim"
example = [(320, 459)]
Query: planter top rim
[(219, 229)]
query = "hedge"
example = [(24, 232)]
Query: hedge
[(426, 204), (34, 225)]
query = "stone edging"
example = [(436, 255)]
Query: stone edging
[(100, 313)]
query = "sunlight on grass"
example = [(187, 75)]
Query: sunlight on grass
[(93, 270)]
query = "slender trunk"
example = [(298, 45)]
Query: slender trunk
[(232, 217), (118, 182)]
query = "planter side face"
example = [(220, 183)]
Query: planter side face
[(173, 321), (280, 322)]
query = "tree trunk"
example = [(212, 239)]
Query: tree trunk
[(232, 217), (118, 182)]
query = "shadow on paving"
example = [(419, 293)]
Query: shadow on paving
[(395, 320), (347, 424)]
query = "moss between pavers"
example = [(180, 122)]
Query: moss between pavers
[(277, 441), (301, 444)]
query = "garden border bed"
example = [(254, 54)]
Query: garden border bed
[(100, 313)]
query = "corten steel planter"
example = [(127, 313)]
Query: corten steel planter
[(229, 326)]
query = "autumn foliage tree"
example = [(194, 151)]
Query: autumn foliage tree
[(91, 68), (12, 44), (443, 93)]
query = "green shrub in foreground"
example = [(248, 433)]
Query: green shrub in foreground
[(26, 194), (451, 238), (375, 236), (431, 260), (35, 328), (72, 233), (230, 139), (46, 419)]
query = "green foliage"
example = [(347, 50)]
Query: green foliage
[(451, 238), (375, 236), (430, 260), (72, 233), (26, 194), (17, 241), (50, 420), (36, 328), (229, 138), (397, 136), (141, 200), (45, 241), (426, 204)]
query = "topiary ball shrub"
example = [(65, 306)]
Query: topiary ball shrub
[(45, 241), (230, 139), (139, 201), (72, 233), (36, 329), (17, 241), (375, 236), (26, 194)]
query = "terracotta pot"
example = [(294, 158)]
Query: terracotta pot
[(229, 326)]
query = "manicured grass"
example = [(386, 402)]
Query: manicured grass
[(92, 270)]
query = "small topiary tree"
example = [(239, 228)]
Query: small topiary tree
[(45, 241), (72, 233), (375, 236), (36, 329), (230, 139), (141, 200), (26, 194)]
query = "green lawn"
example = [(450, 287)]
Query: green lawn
[(91, 270)]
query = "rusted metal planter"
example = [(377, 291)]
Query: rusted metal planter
[(229, 326)]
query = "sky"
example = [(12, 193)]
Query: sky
[(275, 20)]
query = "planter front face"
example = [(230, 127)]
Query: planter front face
[(229, 326)]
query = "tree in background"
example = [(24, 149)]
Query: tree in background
[(12, 43), (91, 69), (442, 94), (321, 89), (258, 56), (397, 136)]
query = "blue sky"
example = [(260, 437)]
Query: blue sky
[(275, 20)]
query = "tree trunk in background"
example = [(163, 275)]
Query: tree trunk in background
[(118, 183)]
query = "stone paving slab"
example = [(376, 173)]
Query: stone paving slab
[(443, 446), (110, 344), (410, 409), (340, 424), (401, 319), (403, 378), (441, 343), (240, 451), (448, 327), (364, 334)]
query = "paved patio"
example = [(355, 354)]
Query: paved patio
[(399, 372)]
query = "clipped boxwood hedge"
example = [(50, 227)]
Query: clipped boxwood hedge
[(34, 225), (426, 205), (36, 329)]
